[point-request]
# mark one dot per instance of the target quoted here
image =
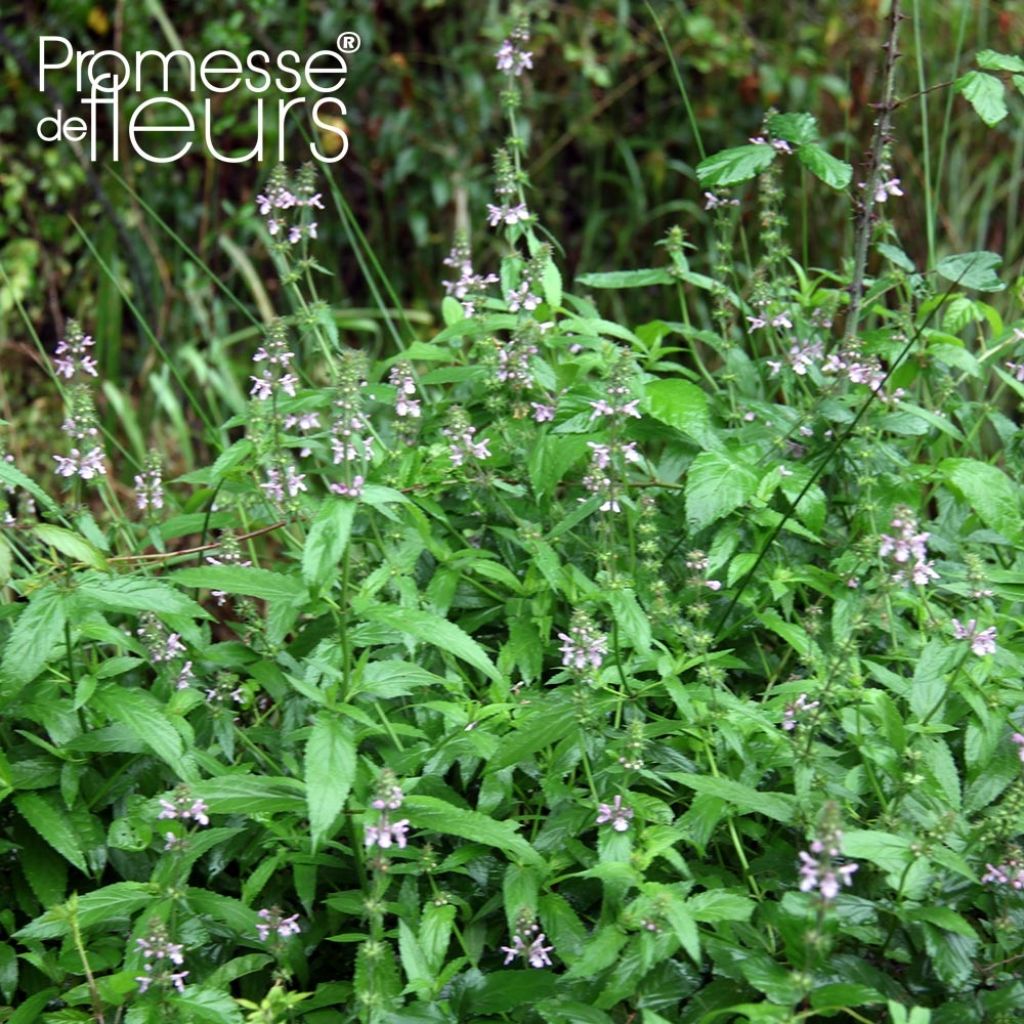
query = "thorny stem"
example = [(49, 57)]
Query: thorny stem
[(865, 219)]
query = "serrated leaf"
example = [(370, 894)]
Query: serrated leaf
[(52, 824), (824, 166), (99, 906), (985, 94), (414, 963), (206, 1006), (330, 769), (11, 476), (894, 254), (438, 815), (733, 166), (436, 925), (990, 60), (245, 580), (717, 905), (682, 405), (533, 732), (433, 629), (144, 717), (131, 594), (37, 631), (633, 625), (973, 270), (717, 483), (989, 491), (627, 278), (778, 806), (890, 852), (551, 284), (251, 794), (69, 543), (326, 541), (796, 128)]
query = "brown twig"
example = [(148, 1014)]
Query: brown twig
[(159, 555)]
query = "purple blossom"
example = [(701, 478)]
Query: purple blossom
[(271, 921), (522, 298), (615, 814), (824, 876), (531, 948), (184, 808), (85, 465), (542, 412), (583, 646), (793, 711), (352, 490), (72, 354), (884, 189), (1018, 738), (982, 641), (512, 58), (386, 833)]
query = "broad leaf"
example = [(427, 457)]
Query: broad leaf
[(330, 769), (733, 166)]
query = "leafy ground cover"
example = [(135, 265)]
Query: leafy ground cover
[(634, 645)]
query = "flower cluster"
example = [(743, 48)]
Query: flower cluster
[(697, 562), (1010, 873), (583, 647), (801, 357), (615, 814), (513, 58), (819, 870), (160, 956), (149, 485), (713, 201), (283, 481), (1018, 738), (273, 921), (509, 208), (388, 797), (230, 554), (469, 285), (275, 375), (351, 439), (161, 644), (183, 807), (793, 711), (983, 641), (527, 944), (907, 546), (85, 457), (304, 423), (460, 433), (72, 354), (284, 206)]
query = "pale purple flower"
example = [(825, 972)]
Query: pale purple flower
[(793, 711), (542, 412), (982, 641), (73, 354), (512, 59), (522, 298), (1010, 874), (531, 949), (183, 808), (712, 201), (615, 814), (884, 189), (385, 834), (185, 677), (1018, 738), (272, 921), (583, 646), (85, 465), (352, 490), (826, 877)]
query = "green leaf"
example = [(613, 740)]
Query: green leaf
[(992, 61), (101, 906), (973, 270), (11, 476), (733, 166), (436, 925), (551, 284), (130, 594), (844, 994), (627, 278), (69, 543), (894, 254), (245, 580), (717, 483), (37, 631), (52, 823), (989, 491), (985, 94), (440, 816), (432, 629), (206, 1006), (718, 905), (823, 165), (330, 769), (414, 962), (682, 405), (533, 732), (326, 541), (890, 852), (942, 917), (778, 806), (634, 628), (144, 716), (250, 794), (799, 129)]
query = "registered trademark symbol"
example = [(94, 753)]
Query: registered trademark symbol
[(349, 42)]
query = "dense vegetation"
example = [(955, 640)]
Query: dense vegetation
[(563, 563)]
